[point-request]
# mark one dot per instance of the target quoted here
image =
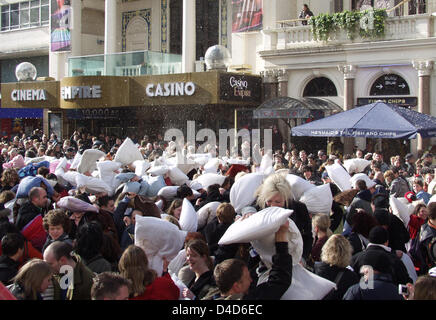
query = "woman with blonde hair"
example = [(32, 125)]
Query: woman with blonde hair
[(335, 258), (31, 280), (175, 208), (275, 191), (146, 285), (321, 228)]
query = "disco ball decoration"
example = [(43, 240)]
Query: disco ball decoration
[(25, 71), (217, 57)]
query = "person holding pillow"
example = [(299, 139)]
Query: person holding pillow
[(276, 191)]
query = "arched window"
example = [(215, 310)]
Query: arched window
[(389, 85), (320, 87)]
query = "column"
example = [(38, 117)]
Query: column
[(283, 79), (110, 35), (188, 36), (76, 28), (424, 69), (349, 72)]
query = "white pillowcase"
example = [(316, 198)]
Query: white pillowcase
[(76, 161), (256, 226), (339, 176), (177, 176), (159, 239), (364, 177), (305, 285), (298, 185), (158, 170), (140, 167), (206, 213), (88, 161), (188, 220), (106, 172), (212, 165), (75, 205), (93, 185), (318, 199), (208, 179), (401, 210), (356, 165), (243, 191), (168, 192), (128, 153)]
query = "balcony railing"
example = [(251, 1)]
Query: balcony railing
[(125, 64), (396, 28)]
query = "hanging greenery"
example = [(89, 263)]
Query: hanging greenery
[(367, 24)]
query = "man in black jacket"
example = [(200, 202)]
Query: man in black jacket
[(303, 221), (378, 238), (12, 250), (36, 205), (234, 281)]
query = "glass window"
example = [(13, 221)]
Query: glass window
[(34, 3), (14, 6), (45, 14), (24, 5), (5, 8), (15, 19), (24, 18), (34, 16), (5, 21), (43, 2)]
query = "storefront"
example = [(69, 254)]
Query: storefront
[(25, 106), (126, 106)]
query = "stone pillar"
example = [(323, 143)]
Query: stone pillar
[(424, 69), (269, 84), (349, 72), (76, 28), (110, 26), (188, 36), (282, 88)]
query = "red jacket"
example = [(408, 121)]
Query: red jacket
[(162, 288)]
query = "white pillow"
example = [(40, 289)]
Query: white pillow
[(243, 191), (158, 170), (140, 167), (88, 162), (178, 262), (128, 153), (356, 165), (194, 185), (106, 172), (208, 179), (305, 285), (318, 199), (339, 176), (70, 177), (34, 160), (158, 238), (93, 185), (60, 171), (364, 177), (212, 165), (432, 199), (76, 161), (256, 226), (266, 164), (168, 192), (298, 185), (75, 205), (401, 210), (177, 176), (206, 213), (188, 220), (432, 187), (238, 161)]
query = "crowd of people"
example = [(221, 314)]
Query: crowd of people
[(56, 231)]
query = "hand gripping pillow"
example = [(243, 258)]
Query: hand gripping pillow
[(188, 217), (88, 162), (318, 199), (177, 176), (305, 285), (364, 177), (339, 176), (265, 246), (257, 226), (243, 191), (128, 153), (75, 205), (401, 210), (93, 185), (298, 185), (159, 239), (208, 179), (207, 213), (356, 165)]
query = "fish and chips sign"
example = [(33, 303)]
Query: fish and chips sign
[(353, 133)]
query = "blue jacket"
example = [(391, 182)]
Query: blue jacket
[(383, 289)]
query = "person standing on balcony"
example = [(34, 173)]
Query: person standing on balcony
[(305, 14)]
